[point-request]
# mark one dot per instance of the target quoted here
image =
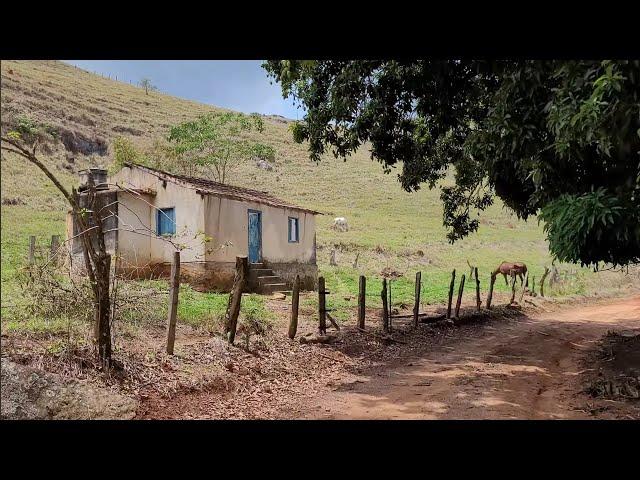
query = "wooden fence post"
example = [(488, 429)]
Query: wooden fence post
[(322, 306), (544, 277), (524, 286), (173, 302), (478, 302), (361, 301), (416, 307), (451, 285), (55, 245), (235, 297), (490, 295), (513, 289), (385, 306), (32, 249), (295, 301), (460, 290)]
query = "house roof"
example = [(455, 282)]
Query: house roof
[(209, 187)]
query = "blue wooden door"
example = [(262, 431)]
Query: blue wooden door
[(255, 236)]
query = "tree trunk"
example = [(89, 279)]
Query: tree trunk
[(102, 331)]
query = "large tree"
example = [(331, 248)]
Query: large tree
[(560, 139)]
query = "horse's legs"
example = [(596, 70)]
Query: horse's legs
[(505, 279)]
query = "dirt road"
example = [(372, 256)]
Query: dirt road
[(529, 368)]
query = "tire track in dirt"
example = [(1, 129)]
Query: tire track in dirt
[(530, 368)]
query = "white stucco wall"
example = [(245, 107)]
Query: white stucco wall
[(188, 211), (223, 219), (226, 220)]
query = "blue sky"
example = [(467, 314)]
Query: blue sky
[(240, 85)]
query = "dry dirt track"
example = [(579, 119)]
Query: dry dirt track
[(529, 368)]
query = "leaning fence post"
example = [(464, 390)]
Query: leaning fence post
[(524, 286), (416, 306), (490, 294), (385, 306), (544, 277), (295, 301), (451, 285), (513, 288), (235, 297), (322, 306), (460, 290), (173, 302), (361, 301), (478, 302), (32, 249)]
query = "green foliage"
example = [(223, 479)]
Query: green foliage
[(124, 152), (530, 132), (30, 131), (216, 143), (585, 228)]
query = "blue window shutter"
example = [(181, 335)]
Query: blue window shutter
[(166, 221)]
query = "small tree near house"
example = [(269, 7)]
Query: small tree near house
[(216, 143), (24, 141)]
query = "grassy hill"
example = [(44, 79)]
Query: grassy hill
[(388, 227)]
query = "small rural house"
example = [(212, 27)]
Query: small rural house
[(156, 212)]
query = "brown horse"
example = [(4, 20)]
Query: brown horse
[(511, 268)]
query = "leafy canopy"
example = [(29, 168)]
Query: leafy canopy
[(559, 138), (217, 142)]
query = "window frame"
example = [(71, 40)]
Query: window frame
[(297, 223), (163, 211)]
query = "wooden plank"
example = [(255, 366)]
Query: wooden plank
[(295, 302), (173, 302), (416, 306), (451, 285), (361, 301), (460, 290)]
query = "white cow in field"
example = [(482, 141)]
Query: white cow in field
[(340, 224)]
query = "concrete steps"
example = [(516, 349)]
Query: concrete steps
[(263, 280)]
